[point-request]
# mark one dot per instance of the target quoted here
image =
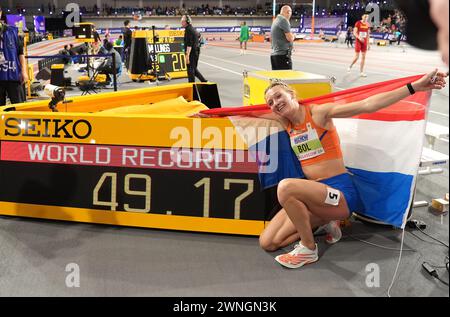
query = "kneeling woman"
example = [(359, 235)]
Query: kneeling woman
[(328, 194)]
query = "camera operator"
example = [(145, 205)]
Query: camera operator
[(13, 68)]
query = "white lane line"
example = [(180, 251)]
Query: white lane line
[(335, 87), (221, 68), (439, 113), (337, 64)]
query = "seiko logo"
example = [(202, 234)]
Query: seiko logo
[(48, 128)]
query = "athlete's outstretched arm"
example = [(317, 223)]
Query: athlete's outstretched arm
[(434, 80)]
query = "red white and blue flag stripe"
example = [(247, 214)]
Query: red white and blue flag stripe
[(382, 150)]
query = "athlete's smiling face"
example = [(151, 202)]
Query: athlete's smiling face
[(280, 101)]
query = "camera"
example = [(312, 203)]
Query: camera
[(56, 93)]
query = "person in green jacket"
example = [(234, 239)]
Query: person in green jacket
[(243, 37), (119, 41)]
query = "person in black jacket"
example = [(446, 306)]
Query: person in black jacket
[(191, 49), (127, 34)]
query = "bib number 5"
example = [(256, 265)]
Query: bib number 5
[(333, 197)]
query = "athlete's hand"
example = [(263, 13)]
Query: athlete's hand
[(433, 80)]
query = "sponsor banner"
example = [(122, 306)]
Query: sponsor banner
[(68, 32), (16, 20), (39, 24), (232, 29)]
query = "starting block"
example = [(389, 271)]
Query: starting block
[(440, 205), (432, 158), (435, 132)]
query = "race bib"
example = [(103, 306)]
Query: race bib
[(363, 34), (307, 145)]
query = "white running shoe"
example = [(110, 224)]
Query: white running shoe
[(363, 75), (334, 233), (349, 70), (298, 257)]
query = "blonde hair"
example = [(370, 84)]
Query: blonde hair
[(278, 83)]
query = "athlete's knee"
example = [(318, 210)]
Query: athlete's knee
[(267, 243), (287, 189)]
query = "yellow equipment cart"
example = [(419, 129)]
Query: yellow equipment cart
[(306, 85)]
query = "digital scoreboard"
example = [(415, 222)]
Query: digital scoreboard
[(157, 171), (167, 49), (83, 32)]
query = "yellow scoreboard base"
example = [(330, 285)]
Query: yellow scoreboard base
[(167, 76), (130, 219), (306, 85), (131, 158)]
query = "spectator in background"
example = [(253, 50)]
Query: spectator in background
[(106, 39), (398, 36), (109, 67), (97, 41), (321, 34), (282, 40), (72, 50), (349, 37), (192, 49), (73, 53), (118, 46), (243, 37), (119, 41), (65, 52), (127, 34), (13, 77)]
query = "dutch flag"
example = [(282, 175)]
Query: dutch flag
[(382, 150)]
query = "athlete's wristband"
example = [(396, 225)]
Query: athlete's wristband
[(411, 89)]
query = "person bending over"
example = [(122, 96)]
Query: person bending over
[(108, 67)]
